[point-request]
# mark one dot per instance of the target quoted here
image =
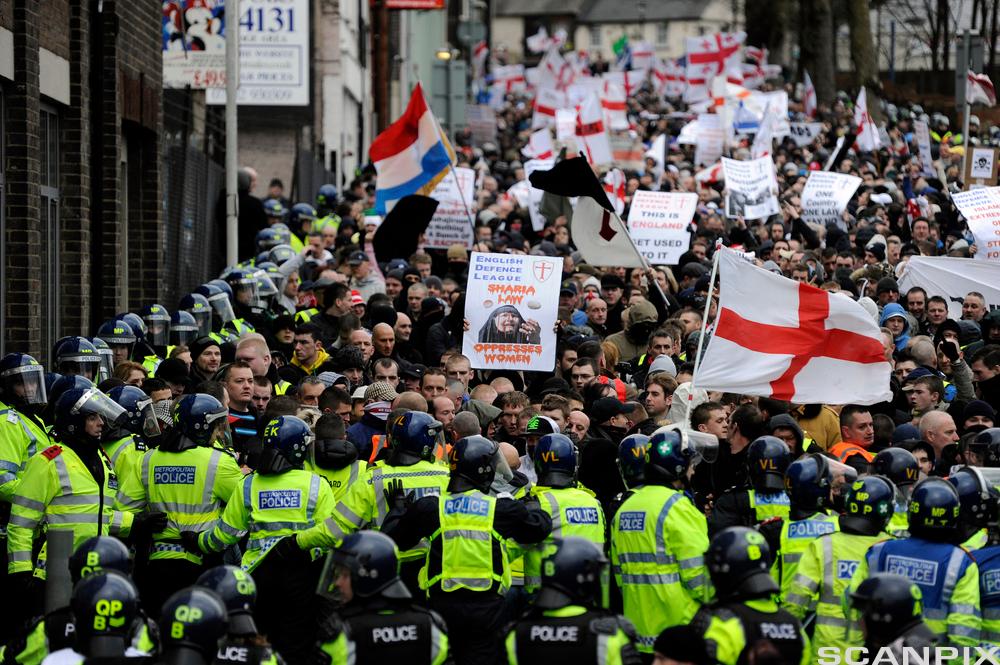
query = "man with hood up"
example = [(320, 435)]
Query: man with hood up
[(640, 320), (894, 318)]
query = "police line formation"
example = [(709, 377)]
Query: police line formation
[(296, 464)]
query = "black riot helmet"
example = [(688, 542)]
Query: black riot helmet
[(193, 620), (105, 605), (739, 561), (890, 604), (472, 461), (238, 592), (372, 561), (768, 458), (573, 575)]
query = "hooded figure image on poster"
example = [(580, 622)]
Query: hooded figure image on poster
[(506, 325)]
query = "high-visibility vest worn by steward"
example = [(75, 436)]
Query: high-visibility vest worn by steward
[(364, 504), (574, 512), (824, 572), (730, 629), (466, 552), (766, 505), (795, 538), (988, 560), (20, 438), (948, 578), (191, 486), (269, 507), (58, 491), (658, 538)]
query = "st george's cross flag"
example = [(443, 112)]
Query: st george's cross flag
[(777, 338)]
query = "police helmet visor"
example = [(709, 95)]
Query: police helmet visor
[(185, 334), (94, 402), (147, 418), (84, 364), (504, 474), (27, 382), (335, 566), (706, 445), (245, 291), (843, 476), (107, 366), (158, 332), (222, 307), (265, 285), (203, 317)]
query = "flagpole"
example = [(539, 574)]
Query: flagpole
[(965, 137), (704, 327)]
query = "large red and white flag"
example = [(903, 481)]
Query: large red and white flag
[(775, 337), (547, 102), (480, 53), (614, 185), (539, 145), (808, 96), (979, 89), (707, 57), (867, 139), (642, 56), (613, 103), (592, 133)]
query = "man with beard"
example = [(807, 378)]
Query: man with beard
[(506, 325)]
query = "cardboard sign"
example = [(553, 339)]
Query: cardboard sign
[(512, 304), (752, 187), (804, 133), (660, 222), (452, 221), (981, 168), (826, 195), (981, 209)]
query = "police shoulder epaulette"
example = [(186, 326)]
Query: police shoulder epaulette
[(231, 453), (52, 452), (140, 446), (607, 625)]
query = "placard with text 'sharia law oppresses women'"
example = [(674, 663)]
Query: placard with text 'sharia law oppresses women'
[(511, 305)]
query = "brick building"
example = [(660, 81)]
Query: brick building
[(80, 166)]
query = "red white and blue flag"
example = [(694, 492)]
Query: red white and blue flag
[(411, 156)]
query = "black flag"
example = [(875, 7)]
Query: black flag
[(572, 177), (398, 234)]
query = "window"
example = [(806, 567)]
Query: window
[(662, 32), (49, 147), (595, 36)]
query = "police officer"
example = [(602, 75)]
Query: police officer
[(978, 506), (192, 622), (412, 438), (326, 202), (744, 615), (901, 467), (631, 466), (183, 329), (275, 501), (105, 608), (574, 509), (77, 356), (126, 444), (829, 561), (764, 497), (466, 571), (658, 538), (69, 485), (243, 644), (119, 335), (951, 596), (376, 620), (157, 320), (566, 623), (808, 483), (22, 432), (197, 305), (190, 481), (988, 558), (985, 448), (890, 607)]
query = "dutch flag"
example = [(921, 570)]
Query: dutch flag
[(411, 156)]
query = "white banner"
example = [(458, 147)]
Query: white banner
[(752, 187), (534, 196), (923, 137), (274, 54), (804, 133), (826, 195), (952, 277), (451, 222), (710, 140), (981, 209), (659, 223), (512, 305)]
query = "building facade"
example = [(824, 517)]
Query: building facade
[(80, 181)]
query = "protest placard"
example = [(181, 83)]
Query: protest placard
[(981, 209), (923, 137), (511, 306), (709, 141), (452, 222), (804, 133), (752, 188), (952, 277), (825, 196), (659, 223), (981, 168)]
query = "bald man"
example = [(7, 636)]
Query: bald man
[(384, 340), (938, 429)]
